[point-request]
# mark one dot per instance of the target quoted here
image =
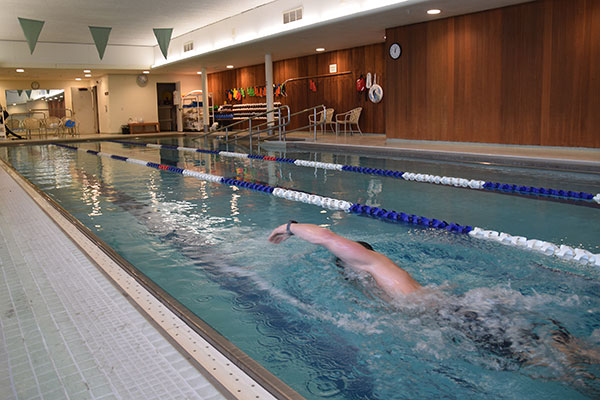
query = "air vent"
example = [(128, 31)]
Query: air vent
[(292, 15), (189, 46)]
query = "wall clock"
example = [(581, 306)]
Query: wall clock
[(35, 85), (395, 51), (141, 80)]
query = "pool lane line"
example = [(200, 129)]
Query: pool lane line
[(550, 249), (572, 197)]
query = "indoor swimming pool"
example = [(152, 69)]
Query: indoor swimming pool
[(493, 321)]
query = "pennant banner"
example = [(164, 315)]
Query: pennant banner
[(100, 35), (28, 93), (19, 92), (31, 29), (163, 37)]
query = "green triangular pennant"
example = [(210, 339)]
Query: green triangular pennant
[(19, 92), (163, 37), (28, 93), (31, 29), (100, 35)]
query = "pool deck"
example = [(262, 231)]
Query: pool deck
[(68, 331)]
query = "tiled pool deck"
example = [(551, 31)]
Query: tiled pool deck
[(66, 331)]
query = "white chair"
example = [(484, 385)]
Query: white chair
[(348, 119), (32, 124), (327, 120)]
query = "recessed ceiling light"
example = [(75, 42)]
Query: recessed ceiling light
[(433, 11), (319, 49), (86, 71), (146, 72), (230, 66), (77, 79), (14, 104), (199, 72), (20, 70), (88, 75)]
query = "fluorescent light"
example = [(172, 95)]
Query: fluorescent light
[(20, 70), (146, 72), (230, 66), (86, 71), (77, 79), (199, 72), (88, 75), (14, 104), (433, 11), (320, 49)]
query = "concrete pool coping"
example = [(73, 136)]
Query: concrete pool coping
[(237, 375)]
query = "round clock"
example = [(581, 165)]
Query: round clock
[(141, 80), (35, 85), (395, 51)]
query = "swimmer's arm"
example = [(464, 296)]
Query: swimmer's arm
[(388, 275)]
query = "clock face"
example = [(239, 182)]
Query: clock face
[(395, 51), (35, 85), (142, 80)]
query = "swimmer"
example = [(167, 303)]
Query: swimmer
[(487, 330), (359, 256)]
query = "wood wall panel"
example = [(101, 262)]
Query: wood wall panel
[(525, 74), (338, 92)]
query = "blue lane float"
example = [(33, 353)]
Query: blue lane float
[(572, 196), (547, 248)]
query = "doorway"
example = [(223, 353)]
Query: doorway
[(83, 109), (167, 111)]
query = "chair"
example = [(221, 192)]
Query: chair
[(348, 119), (32, 124), (328, 119), (13, 124), (70, 125), (53, 123)]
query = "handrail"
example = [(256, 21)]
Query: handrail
[(316, 124), (263, 114), (282, 122), (306, 110)]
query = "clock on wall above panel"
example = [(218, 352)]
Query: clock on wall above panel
[(395, 51)]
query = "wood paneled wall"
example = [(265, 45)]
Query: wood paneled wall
[(338, 92), (527, 74)]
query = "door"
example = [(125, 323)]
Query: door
[(83, 109)]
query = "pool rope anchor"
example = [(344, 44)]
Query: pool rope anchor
[(564, 252), (475, 184)]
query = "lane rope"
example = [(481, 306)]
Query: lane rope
[(539, 192), (540, 246)]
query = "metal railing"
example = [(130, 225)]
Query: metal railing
[(279, 124)]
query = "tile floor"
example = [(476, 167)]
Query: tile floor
[(66, 332)]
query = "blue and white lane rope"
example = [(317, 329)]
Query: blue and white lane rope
[(547, 248), (409, 176)]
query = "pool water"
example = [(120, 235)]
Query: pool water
[(483, 326)]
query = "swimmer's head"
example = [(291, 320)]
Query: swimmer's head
[(341, 264)]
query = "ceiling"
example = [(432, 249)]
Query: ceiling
[(132, 21)]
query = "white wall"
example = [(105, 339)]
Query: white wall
[(126, 99)]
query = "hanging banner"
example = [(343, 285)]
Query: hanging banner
[(28, 93), (19, 92), (31, 29), (163, 37), (100, 35)]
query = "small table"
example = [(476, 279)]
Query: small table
[(143, 127)]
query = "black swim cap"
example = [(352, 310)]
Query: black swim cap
[(340, 263)]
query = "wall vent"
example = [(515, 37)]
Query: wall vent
[(292, 15), (189, 46)]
